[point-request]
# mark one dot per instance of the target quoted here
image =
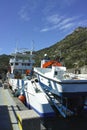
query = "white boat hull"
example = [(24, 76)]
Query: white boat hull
[(38, 101), (67, 88), (34, 100), (16, 83)]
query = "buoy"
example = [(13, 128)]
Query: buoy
[(22, 98)]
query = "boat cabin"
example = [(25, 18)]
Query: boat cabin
[(21, 63)]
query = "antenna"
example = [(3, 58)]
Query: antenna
[(32, 45), (32, 49), (16, 46)]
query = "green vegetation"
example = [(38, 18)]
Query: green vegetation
[(4, 63)]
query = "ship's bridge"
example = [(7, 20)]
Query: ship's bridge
[(20, 65)]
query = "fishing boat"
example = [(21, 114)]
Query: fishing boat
[(23, 84), (70, 90)]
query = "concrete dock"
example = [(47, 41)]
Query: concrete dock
[(8, 109), (14, 115)]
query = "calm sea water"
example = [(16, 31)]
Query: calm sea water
[(72, 123)]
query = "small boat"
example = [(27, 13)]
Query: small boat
[(69, 89)]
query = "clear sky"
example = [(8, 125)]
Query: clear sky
[(42, 22)]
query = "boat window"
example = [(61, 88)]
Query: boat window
[(22, 63), (16, 63), (55, 73), (11, 64), (25, 64), (28, 64), (16, 59), (17, 71)]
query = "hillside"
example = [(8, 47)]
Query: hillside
[(72, 49)]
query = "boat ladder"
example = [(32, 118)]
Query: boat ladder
[(58, 103)]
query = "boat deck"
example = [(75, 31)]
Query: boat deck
[(8, 119)]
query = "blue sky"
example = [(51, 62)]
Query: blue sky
[(42, 22)]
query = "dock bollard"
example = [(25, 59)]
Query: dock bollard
[(28, 120), (5, 86)]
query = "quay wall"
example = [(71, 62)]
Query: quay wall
[(82, 70), (27, 119)]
